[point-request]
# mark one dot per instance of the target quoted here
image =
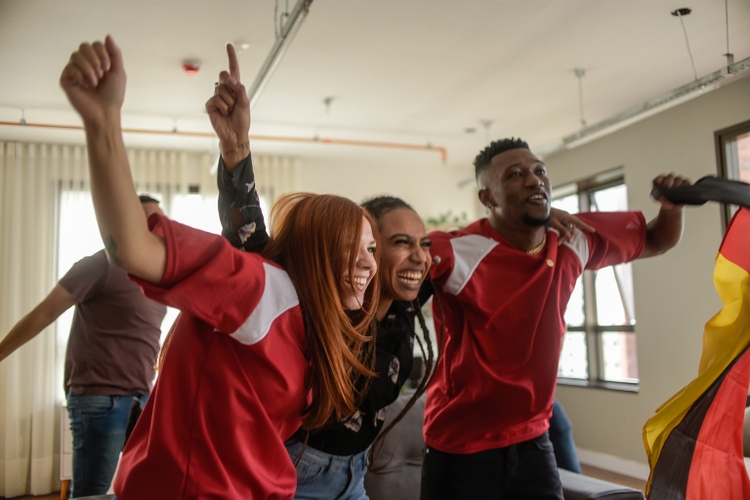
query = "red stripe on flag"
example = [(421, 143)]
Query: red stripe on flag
[(736, 245), (718, 468)]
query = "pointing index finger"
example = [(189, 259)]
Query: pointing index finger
[(234, 66)]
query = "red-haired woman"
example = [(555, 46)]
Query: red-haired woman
[(331, 461), (258, 334)]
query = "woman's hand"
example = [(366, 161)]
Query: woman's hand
[(94, 81), (229, 111), (567, 224)]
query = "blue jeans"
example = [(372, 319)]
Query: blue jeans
[(561, 435), (98, 425), (321, 476)]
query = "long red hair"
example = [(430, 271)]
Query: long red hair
[(314, 238)]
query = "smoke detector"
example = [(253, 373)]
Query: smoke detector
[(191, 66)]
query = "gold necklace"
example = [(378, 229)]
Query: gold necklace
[(539, 247)]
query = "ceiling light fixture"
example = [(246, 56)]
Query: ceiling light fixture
[(644, 110), (681, 13), (728, 55), (290, 28), (656, 105), (580, 73)]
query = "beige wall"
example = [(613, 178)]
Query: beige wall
[(674, 293), (430, 189)]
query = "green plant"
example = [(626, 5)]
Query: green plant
[(446, 221)]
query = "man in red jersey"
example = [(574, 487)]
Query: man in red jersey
[(502, 285)]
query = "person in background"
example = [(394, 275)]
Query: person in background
[(503, 284), (109, 360), (561, 437)]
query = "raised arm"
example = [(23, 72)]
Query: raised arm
[(665, 230), (239, 205), (94, 81), (57, 302), (229, 111)]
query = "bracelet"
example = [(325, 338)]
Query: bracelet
[(244, 145)]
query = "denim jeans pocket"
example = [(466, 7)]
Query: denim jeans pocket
[(91, 406), (309, 472)]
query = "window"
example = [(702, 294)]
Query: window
[(733, 158), (599, 347), (79, 236)]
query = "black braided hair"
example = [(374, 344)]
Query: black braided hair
[(429, 371), (378, 206)]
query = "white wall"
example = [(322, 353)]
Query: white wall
[(429, 189), (674, 293)]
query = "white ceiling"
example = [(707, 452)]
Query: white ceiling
[(408, 71)]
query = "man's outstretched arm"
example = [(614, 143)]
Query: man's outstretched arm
[(57, 302), (665, 230)]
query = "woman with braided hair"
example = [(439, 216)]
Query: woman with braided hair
[(331, 461)]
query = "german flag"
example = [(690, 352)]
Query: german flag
[(694, 442)]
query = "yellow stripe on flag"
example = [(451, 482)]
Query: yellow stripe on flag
[(726, 336)]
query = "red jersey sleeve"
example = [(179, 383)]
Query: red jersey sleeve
[(206, 277), (442, 257), (620, 237)]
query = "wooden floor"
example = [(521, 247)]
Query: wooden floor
[(612, 477)]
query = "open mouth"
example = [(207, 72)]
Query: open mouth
[(410, 277), (538, 198), (358, 282)]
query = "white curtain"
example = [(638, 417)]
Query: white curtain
[(275, 176), (31, 179), (29, 429)]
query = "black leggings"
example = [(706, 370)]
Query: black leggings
[(522, 471)]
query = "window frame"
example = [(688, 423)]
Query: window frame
[(592, 330), (725, 168)]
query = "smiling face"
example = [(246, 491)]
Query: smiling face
[(515, 187), (406, 254), (353, 287)]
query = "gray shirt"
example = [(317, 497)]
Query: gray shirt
[(114, 338)]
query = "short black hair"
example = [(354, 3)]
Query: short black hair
[(378, 206), (484, 158), (147, 199)]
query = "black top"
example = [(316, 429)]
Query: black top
[(239, 207), (242, 222), (394, 346)]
